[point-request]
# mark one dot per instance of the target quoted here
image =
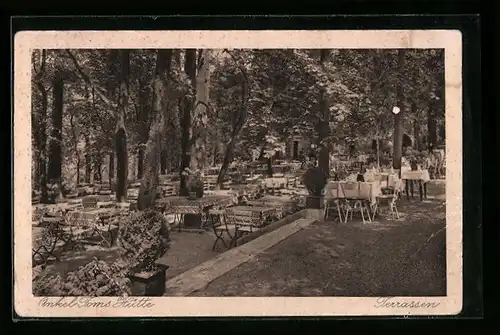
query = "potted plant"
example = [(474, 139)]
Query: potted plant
[(143, 238), (315, 181), (97, 278), (194, 184)]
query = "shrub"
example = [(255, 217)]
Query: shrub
[(143, 238), (315, 181), (94, 279)]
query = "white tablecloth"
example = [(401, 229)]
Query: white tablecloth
[(422, 175), (363, 190), (275, 182)]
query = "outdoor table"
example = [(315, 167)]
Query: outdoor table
[(363, 192), (97, 221), (282, 204), (422, 176), (179, 205)]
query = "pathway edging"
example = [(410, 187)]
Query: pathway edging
[(200, 276)]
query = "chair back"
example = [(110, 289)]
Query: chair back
[(365, 190), (243, 217), (333, 190), (350, 189)]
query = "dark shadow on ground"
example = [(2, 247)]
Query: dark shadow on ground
[(386, 258)]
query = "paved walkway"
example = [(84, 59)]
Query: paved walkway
[(200, 276)]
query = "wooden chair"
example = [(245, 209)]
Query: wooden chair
[(332, 202), (353, 201), (391, 201), (218, 221), (47, 240), (245, 222)]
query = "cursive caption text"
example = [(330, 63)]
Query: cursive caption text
[(90, 302), (393, 303)]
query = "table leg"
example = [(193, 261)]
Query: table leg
[(420, 189), (425, 190), (407, 189)]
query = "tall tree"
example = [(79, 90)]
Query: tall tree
[(238, 120), (55, 158), (324, 122), (120, 130), (39, 124), (200, 110), (155, 143), (186, 118), (398, 118)]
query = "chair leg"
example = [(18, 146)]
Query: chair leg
[(396, 211), (362, 213), (338, 211), (374, 211)]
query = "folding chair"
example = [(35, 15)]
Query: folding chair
[(353, 201), (217, 218), (333, 202), (46, 241), (245, 222), (391, 200)]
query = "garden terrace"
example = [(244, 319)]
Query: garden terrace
[(174, 158)]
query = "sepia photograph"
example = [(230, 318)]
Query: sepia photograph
[(225, 171)]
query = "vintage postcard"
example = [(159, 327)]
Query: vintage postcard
[(237, 173)]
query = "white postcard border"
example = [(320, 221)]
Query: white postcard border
[(26, 305)]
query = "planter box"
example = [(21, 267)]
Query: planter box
[(149, 284), (315, 202)]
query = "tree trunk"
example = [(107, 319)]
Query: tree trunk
[(155, 143), (270, 167), (163, 162), (120, 130), (431, 125), (186, 121), (200, 113), (228, 158), (398, 118), (111, 168), (42, 162), (55, 158), (239, 121), (140, 162), (75, 144), (88, 162), (98, 168), (324, 125)]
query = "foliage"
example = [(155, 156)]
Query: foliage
[(143, 238), (314, 180), (94, 279)]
